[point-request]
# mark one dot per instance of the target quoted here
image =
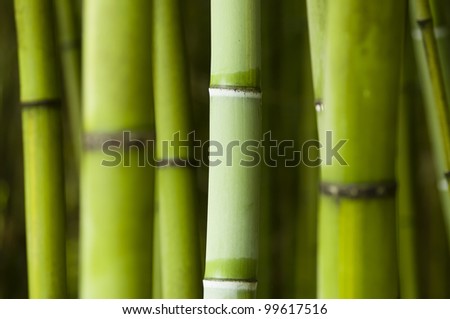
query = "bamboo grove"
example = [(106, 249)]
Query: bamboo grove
[(224, 149)]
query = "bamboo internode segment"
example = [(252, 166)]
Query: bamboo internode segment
[(235, 117), (43, 166)]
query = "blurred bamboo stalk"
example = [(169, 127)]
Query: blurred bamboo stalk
[(407, 165), (180, 255), (69, 45), (327, 224), (305, 269), (116, 179), (41, 122)]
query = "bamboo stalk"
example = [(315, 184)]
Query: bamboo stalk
[(117, 198), (407, 166), (180, 253), (434, 219), (361, 89), (69, 44), (235, 115), (43, 170), (327, 252), (270, 59), (432, 114), (424, 19)]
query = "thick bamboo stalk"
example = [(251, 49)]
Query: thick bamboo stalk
[(180, 255), (361, 89), (69, 44), (43, 170), (235, 117), (117, 191)]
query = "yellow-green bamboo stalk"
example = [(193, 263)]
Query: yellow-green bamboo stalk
[(117, 198), (43, 170), (69, 44), (235, 117), (180, 255), (361, 89)]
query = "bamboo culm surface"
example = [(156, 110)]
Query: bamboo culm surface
[(235, 115), (361, 89), (179, 238), (43, 168), (117, 200)]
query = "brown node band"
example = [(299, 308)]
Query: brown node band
[(95, 141), (359, 190), (174, 162), (46, 103)]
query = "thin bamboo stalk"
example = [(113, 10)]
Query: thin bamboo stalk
[(432, 114), (235, 115), (117, 198), (424, 19), (407, 166), (361, 89), (271, 44), (69, 44), (433, 249), (43, 169), (180, 253), (327, 232), (308, 176)]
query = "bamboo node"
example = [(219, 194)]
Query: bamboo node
[(46, 103), (175, 162), (359, 190)]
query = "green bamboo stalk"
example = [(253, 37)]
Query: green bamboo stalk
[(234, 195), (69, 44), (432, 117), (43, 169), (327, 225), (156, 268), (308, 175), (180, 253), (361, 89), (317, 10), (424, 19), (117, 198), (434, 219), (270, 28)]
